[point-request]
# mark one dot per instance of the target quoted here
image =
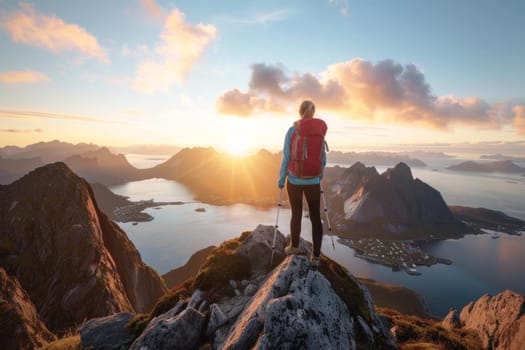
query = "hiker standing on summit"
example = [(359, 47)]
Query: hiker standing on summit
[(304, 159)]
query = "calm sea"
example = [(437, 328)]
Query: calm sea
[(481, 264)]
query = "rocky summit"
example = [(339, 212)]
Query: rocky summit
[(287, 307), (73, 262), (363, 201)]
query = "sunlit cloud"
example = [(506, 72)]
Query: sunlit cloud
[(385, 91), (238, 103), (25, 114), (29, 27), (182, 44), (154, 9), (21, 130), (23, 77), (519, 118)]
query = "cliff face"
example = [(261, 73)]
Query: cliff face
[(393, 202), (499, 320), (73, 262), (20, 325)]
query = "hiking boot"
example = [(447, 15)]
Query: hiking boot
[(290, 250), (314, 262)]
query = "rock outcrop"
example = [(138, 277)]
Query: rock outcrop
[(20, 325), (107, 333), (74, 263), (499, 320), (289, 307), (391, 203)]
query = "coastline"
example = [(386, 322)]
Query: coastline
[(396, 254)]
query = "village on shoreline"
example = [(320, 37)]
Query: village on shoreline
[(399, 255)]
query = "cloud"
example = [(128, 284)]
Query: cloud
[(21, 130), (23, 77), (385, 91), (28, 27), (519, 118), (154, 10), (238, 103), (23, 114), (271, 90), (182, 44)]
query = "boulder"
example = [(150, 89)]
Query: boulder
[(107, 333), (182, 331), (257, 247), (217, 319)]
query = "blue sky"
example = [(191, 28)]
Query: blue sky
[(231, 74)]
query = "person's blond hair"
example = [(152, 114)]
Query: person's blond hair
[(307, 109)]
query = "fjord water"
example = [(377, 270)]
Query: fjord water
[(481, 264)]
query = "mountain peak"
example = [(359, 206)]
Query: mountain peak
[(69, 257), (401, 170), (393, 202)]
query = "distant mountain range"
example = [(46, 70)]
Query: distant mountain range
[(95, 163), (502, 166), (373, 158), (48, 152), (499, 156)]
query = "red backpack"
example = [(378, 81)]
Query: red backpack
[(306, 148)]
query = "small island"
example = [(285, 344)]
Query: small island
[(133, 212)]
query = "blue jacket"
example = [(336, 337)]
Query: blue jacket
[(286, 159)]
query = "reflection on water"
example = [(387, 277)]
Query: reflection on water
[(481, 264)]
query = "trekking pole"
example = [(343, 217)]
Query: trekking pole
[(327, 218), (276, 225)]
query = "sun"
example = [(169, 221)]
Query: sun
[(237, 148)]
